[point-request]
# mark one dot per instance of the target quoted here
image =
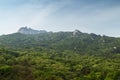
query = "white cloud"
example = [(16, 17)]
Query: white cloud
[(28, 14), (60, 15)]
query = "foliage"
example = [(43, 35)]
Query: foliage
[(59, 56)]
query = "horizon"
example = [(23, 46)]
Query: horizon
[(89, 16)]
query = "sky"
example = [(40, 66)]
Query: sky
[(90, 16)]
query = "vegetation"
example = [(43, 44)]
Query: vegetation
[(59, 56)]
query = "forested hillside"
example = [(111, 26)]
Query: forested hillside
[(59, 56)]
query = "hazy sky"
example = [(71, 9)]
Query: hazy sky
[(92, 16)]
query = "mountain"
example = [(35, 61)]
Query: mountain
[(59, 56), (26, 30), (76, 41)]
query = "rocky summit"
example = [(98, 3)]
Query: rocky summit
[(26, 30)]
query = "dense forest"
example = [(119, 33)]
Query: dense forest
[(59, 56)]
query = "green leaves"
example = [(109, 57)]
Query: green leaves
[(59, 56)]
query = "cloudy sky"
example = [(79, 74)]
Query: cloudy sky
[(91, 16)]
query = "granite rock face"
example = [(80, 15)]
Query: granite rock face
[(26, 30), (76, 32)]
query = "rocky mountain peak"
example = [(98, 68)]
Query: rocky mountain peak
[(27, 30), (76, 32)]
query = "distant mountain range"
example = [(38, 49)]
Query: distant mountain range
[(74, 41), (29, 31)]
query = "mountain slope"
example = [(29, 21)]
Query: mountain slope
[(60, 41)]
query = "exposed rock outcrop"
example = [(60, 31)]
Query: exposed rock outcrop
[(26, 30)]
